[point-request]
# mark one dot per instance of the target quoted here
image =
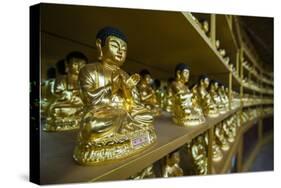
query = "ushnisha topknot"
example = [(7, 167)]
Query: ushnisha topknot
[(110, 31)]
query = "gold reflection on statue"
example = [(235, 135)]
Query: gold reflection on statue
[(64, 113), (115, 124), (172, 167), (183, 111), (205, 100)]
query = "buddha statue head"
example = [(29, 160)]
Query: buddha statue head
[(204, 81), (182, 73), (146, 77), (112, 46), (205, 26), (74, 62)]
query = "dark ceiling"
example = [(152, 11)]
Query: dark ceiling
[(260, 32)]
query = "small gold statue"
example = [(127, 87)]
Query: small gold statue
[(148, 172), (217, 153), (205, 26), (47, 91), (229, 128), (198, 150), (115, 124), (160, 95), (64, 112), (224, 96), (205, 100), (184, 113), (172, 167), (168, 98), (147, 93), (221, 51), (213, 90), (221, 138)]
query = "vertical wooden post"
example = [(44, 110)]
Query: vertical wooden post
[(210, 149), (230, 22), (237, 61), (213, 29)]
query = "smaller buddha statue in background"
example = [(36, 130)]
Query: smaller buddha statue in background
[(47, 91), (183, 111), (221, 51), (168, 98), (213, 90), (223, 95), (148, 172), (217, 153), (220, 137), (205, 100), (171, 166), (198, 150), (64, 113), (147, 93), (229, 128), (160, 95), (205, 26)]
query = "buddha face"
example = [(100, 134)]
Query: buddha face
[(74, 65), (205, 26), (147, 78), (114, 51), (183, 75), (216, 85), (205, 82)]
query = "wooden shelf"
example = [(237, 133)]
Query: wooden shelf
[(170, 38), (57, 165)]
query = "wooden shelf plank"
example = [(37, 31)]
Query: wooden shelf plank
[(57, 165)]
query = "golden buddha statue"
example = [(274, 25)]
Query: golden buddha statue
[(147, 93), (224, 96), (115, 124), (221, 51), (171, 166), (64, 112), (205, 26), (47, 91), (216, 151), (168, 98), (213, 90), (184, 113), (198, 150), (221, 138), (229, 128), (160, 95), (148, 172), (205, 100)]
